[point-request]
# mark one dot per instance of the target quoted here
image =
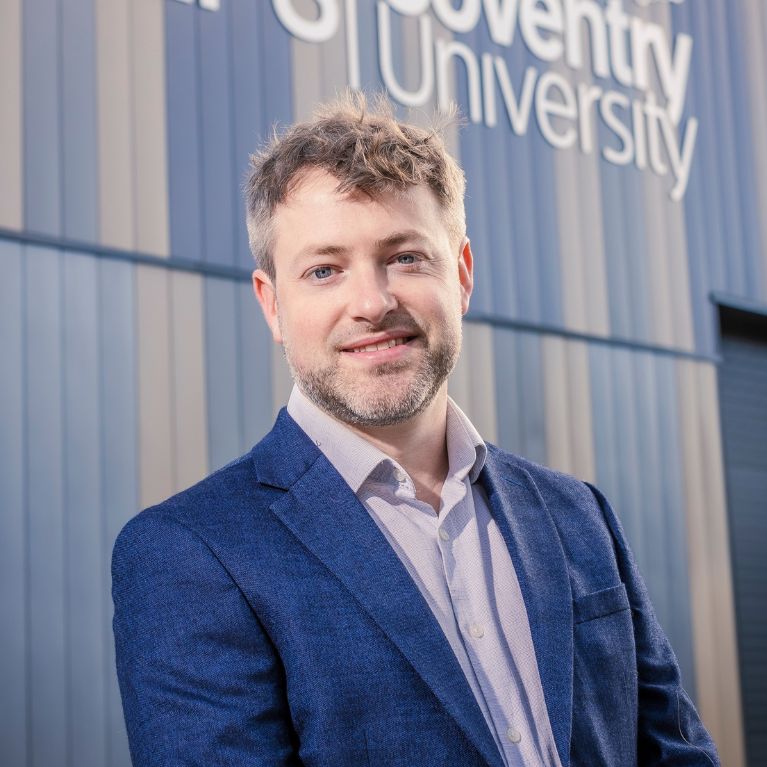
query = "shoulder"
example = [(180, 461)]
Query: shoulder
[(562, 493), (582, 516)]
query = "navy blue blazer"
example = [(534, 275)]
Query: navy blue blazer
[(261, 618)]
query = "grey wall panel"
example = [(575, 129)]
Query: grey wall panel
[(730, 192), (518, 370), (47, 611), (669, 448), (119, 460), (260, 83), (749, 153), (13, 580), (185, 175), (11, 153), (79, 143), (255, 377), (222, 334), (86, 575), (42, 117), (219, 182)]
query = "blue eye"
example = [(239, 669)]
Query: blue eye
[(322, 272), (406, 258)]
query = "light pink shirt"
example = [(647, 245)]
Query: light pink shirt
[(460, 562)]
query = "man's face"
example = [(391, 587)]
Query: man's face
[(368, 298)]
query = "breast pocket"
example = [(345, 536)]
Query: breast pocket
[(604, 679)]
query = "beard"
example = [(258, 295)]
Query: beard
[(389, 393)]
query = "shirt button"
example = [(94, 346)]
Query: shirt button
[(399, 475), (444, 534), (513, 735), (476, 630)]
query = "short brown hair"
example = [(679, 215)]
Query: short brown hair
[(366, 148)]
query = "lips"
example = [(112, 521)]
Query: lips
[(380, 346)]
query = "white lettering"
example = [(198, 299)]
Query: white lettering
[(410, 7), (462, 19), (681, 162), (618, 24), (317, 30), (624, 155), (576, 11), (532, 19), (587, 95), (565, 107), (409, 98), (517, 111), (649, 40), (446, 51), (501, 18)]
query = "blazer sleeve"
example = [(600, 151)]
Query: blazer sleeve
[(200, 681), (669, 730)]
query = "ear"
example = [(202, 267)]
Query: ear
[(265, 292), (465, 274)]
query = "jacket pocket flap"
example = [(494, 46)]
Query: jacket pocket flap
[(600, 603)]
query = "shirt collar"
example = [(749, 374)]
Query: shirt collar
[(356, 459)]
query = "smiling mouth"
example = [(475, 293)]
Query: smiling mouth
[(382, 345)]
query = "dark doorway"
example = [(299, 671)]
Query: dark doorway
[(743, 402)]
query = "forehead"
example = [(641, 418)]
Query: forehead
[(315, 210)]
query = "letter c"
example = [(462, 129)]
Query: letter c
[(318, 30)]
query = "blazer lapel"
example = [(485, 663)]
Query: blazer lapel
[(324, 514), (539, 562)]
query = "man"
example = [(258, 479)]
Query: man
[(373, 584)]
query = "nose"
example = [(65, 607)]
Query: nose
[(370, 295)]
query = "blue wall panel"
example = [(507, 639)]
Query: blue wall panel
[(187, 222), (222, 334), (86, 575), (219, 183), (119, 459), (13, 580), (255, 374), (41, 116), (48, 686), (78, 121)]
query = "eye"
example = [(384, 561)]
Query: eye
[(322, 272), (407, 259)]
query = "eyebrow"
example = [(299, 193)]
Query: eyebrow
[(392, 241)]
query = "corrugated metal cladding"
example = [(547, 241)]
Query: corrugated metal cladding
[(134, 360)]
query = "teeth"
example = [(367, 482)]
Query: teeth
[(380, 346)]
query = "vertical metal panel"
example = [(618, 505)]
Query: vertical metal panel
[(119, 458), (45, 509), (518, 374), (187, 234), (261, 90), (85, 572), (558, 437), (750, 152), (188, 380), (730, 193), (117, 198), (149, 127), (156, 407), (13, 549), (255, 354), (219, 185), (78, 121), (472, 383), (11, 208), (42, 122), (710, 574), (222, 334), (667, 445)]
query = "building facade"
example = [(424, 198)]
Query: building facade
[(616, 161)]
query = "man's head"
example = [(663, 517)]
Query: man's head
[(357, 225), (365, 149)]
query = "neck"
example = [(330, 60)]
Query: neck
[(419, 445)]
